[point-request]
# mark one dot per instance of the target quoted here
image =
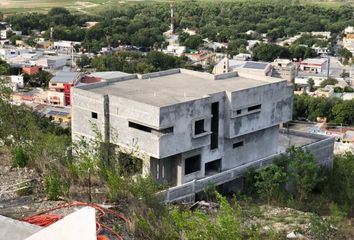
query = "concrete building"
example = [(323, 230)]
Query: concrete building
[(53, 62), (187, 125), (192, 128), (3, 34), (314, 65), (285, 69), (233, 65), (17, 82), (60, 87)]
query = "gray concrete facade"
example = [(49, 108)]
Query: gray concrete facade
[(187, 125)]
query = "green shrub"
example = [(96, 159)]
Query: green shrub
[(19, 157), (54, 186)]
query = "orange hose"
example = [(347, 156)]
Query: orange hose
[(45, 219)]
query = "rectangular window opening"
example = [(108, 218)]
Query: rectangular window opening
[(192, 164), (214, 137), (213, 167), (94, 115), (199, 127), (238, 112), (256, 107), (237, 144), (140, 127)]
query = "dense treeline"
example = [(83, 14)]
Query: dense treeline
[(334, 109), (136, 62), (143, 24)]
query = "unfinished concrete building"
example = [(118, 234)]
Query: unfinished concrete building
[(189, 127)]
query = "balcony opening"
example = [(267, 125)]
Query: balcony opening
[(144, 128), (139, 127), (213, 167), (214, 137), (237, 144), (192, 164), (94, 115), (199, 127), (253, 108)]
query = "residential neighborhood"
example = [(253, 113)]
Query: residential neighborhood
[(148, 120)]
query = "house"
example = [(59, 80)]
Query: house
[(44, 44), (60, 87), (191, 128), (65, 44), (231, 65), (187, 124), (60, 116), (17, 82), (3, 34), (31, 70), (285, 69), (314, 65), (89, 25), (52, 62), (189, 31)]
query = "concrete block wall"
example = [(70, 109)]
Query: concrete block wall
[(81, 112), (276, 107), (182, 117)]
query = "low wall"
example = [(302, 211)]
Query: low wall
[(321, 148)]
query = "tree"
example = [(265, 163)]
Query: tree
[(269, 181), (40, 79), (83, 61), (345, 54), (268, 52), (4, 68), (303, 171), (328, 81), (342, 179), (311, 84), (343, 112), (193, 42)]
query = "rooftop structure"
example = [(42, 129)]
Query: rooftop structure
[(315, 65), (230, 65)]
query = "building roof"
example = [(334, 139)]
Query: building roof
[(65, 77), (176, 86), (314, 61), (108, 75), (58, 113), (255, 65)]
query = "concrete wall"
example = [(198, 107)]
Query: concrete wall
[(83, 106), (182, 117), (276, 107), (322, 149), (121, 111)]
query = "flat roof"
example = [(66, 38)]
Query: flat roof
[(65, 77), (177, 86), (314, 60), (108, 75)]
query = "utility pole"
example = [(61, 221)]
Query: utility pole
[(51, 33), (172, 18), (328, 65)]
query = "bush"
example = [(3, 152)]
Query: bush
[(19, 157), (54, 186)]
